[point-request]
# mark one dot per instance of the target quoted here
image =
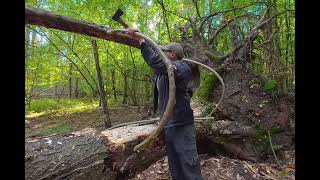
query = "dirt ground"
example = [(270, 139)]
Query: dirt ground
[(67, 122), (224, 168)]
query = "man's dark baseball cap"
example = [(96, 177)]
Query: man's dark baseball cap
[(174, 47)]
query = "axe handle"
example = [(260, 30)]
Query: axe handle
[(125, 25)]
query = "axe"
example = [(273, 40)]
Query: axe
[(117, 17)]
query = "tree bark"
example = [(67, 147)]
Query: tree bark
[(76, 90), (125, 90), (70, 80), (88, 154), (113, 79), (40, 17), (106, 116), (134, 84)]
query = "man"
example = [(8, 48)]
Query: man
[(180, 130)]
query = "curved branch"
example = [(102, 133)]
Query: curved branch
[(265, 42), (262, 21), (218, 76), (172, 89), (218, 58), (214, 36), (152, 121), (178, 15), (171, 100)]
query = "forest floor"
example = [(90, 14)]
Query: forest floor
[(212, 167), (65, 121)]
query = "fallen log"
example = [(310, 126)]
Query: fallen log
[(89, 154), (40, 17), (60, 157)]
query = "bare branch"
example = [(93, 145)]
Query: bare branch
[(262, 22), (176, 14), (195, 2), (265, 42), (114, 60), (274, 154), (165, 19), (220, 12), (214, 36)]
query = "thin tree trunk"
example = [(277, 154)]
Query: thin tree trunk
[(113, 79), (33, 41), (106, 116), (55, 91), (210, 7), (70, 80), (27, 45), (195, 3), (61, 92), (76, 91), (32, 86), (165, 19), (125, 78), (125, 89), (134, 84)]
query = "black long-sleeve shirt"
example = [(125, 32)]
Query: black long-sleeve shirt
[(182, 112)]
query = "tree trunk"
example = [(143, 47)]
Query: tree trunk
[(34, 79), (134, 84), (70, 80), (76, 90), (125, 90), (56, 90), (33, 42), (113, 79), (106, 116), (88, 154), (27, 42)]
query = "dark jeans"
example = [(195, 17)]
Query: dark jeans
[(182, 152)]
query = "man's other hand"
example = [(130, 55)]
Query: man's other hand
[(131, 32)]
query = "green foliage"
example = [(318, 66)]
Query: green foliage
[(57, 128), (206, 86), (45, 104), (49, 105), (271, 86), (45, 65), (262, 139)]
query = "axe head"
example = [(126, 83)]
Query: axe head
[(117, 14)]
